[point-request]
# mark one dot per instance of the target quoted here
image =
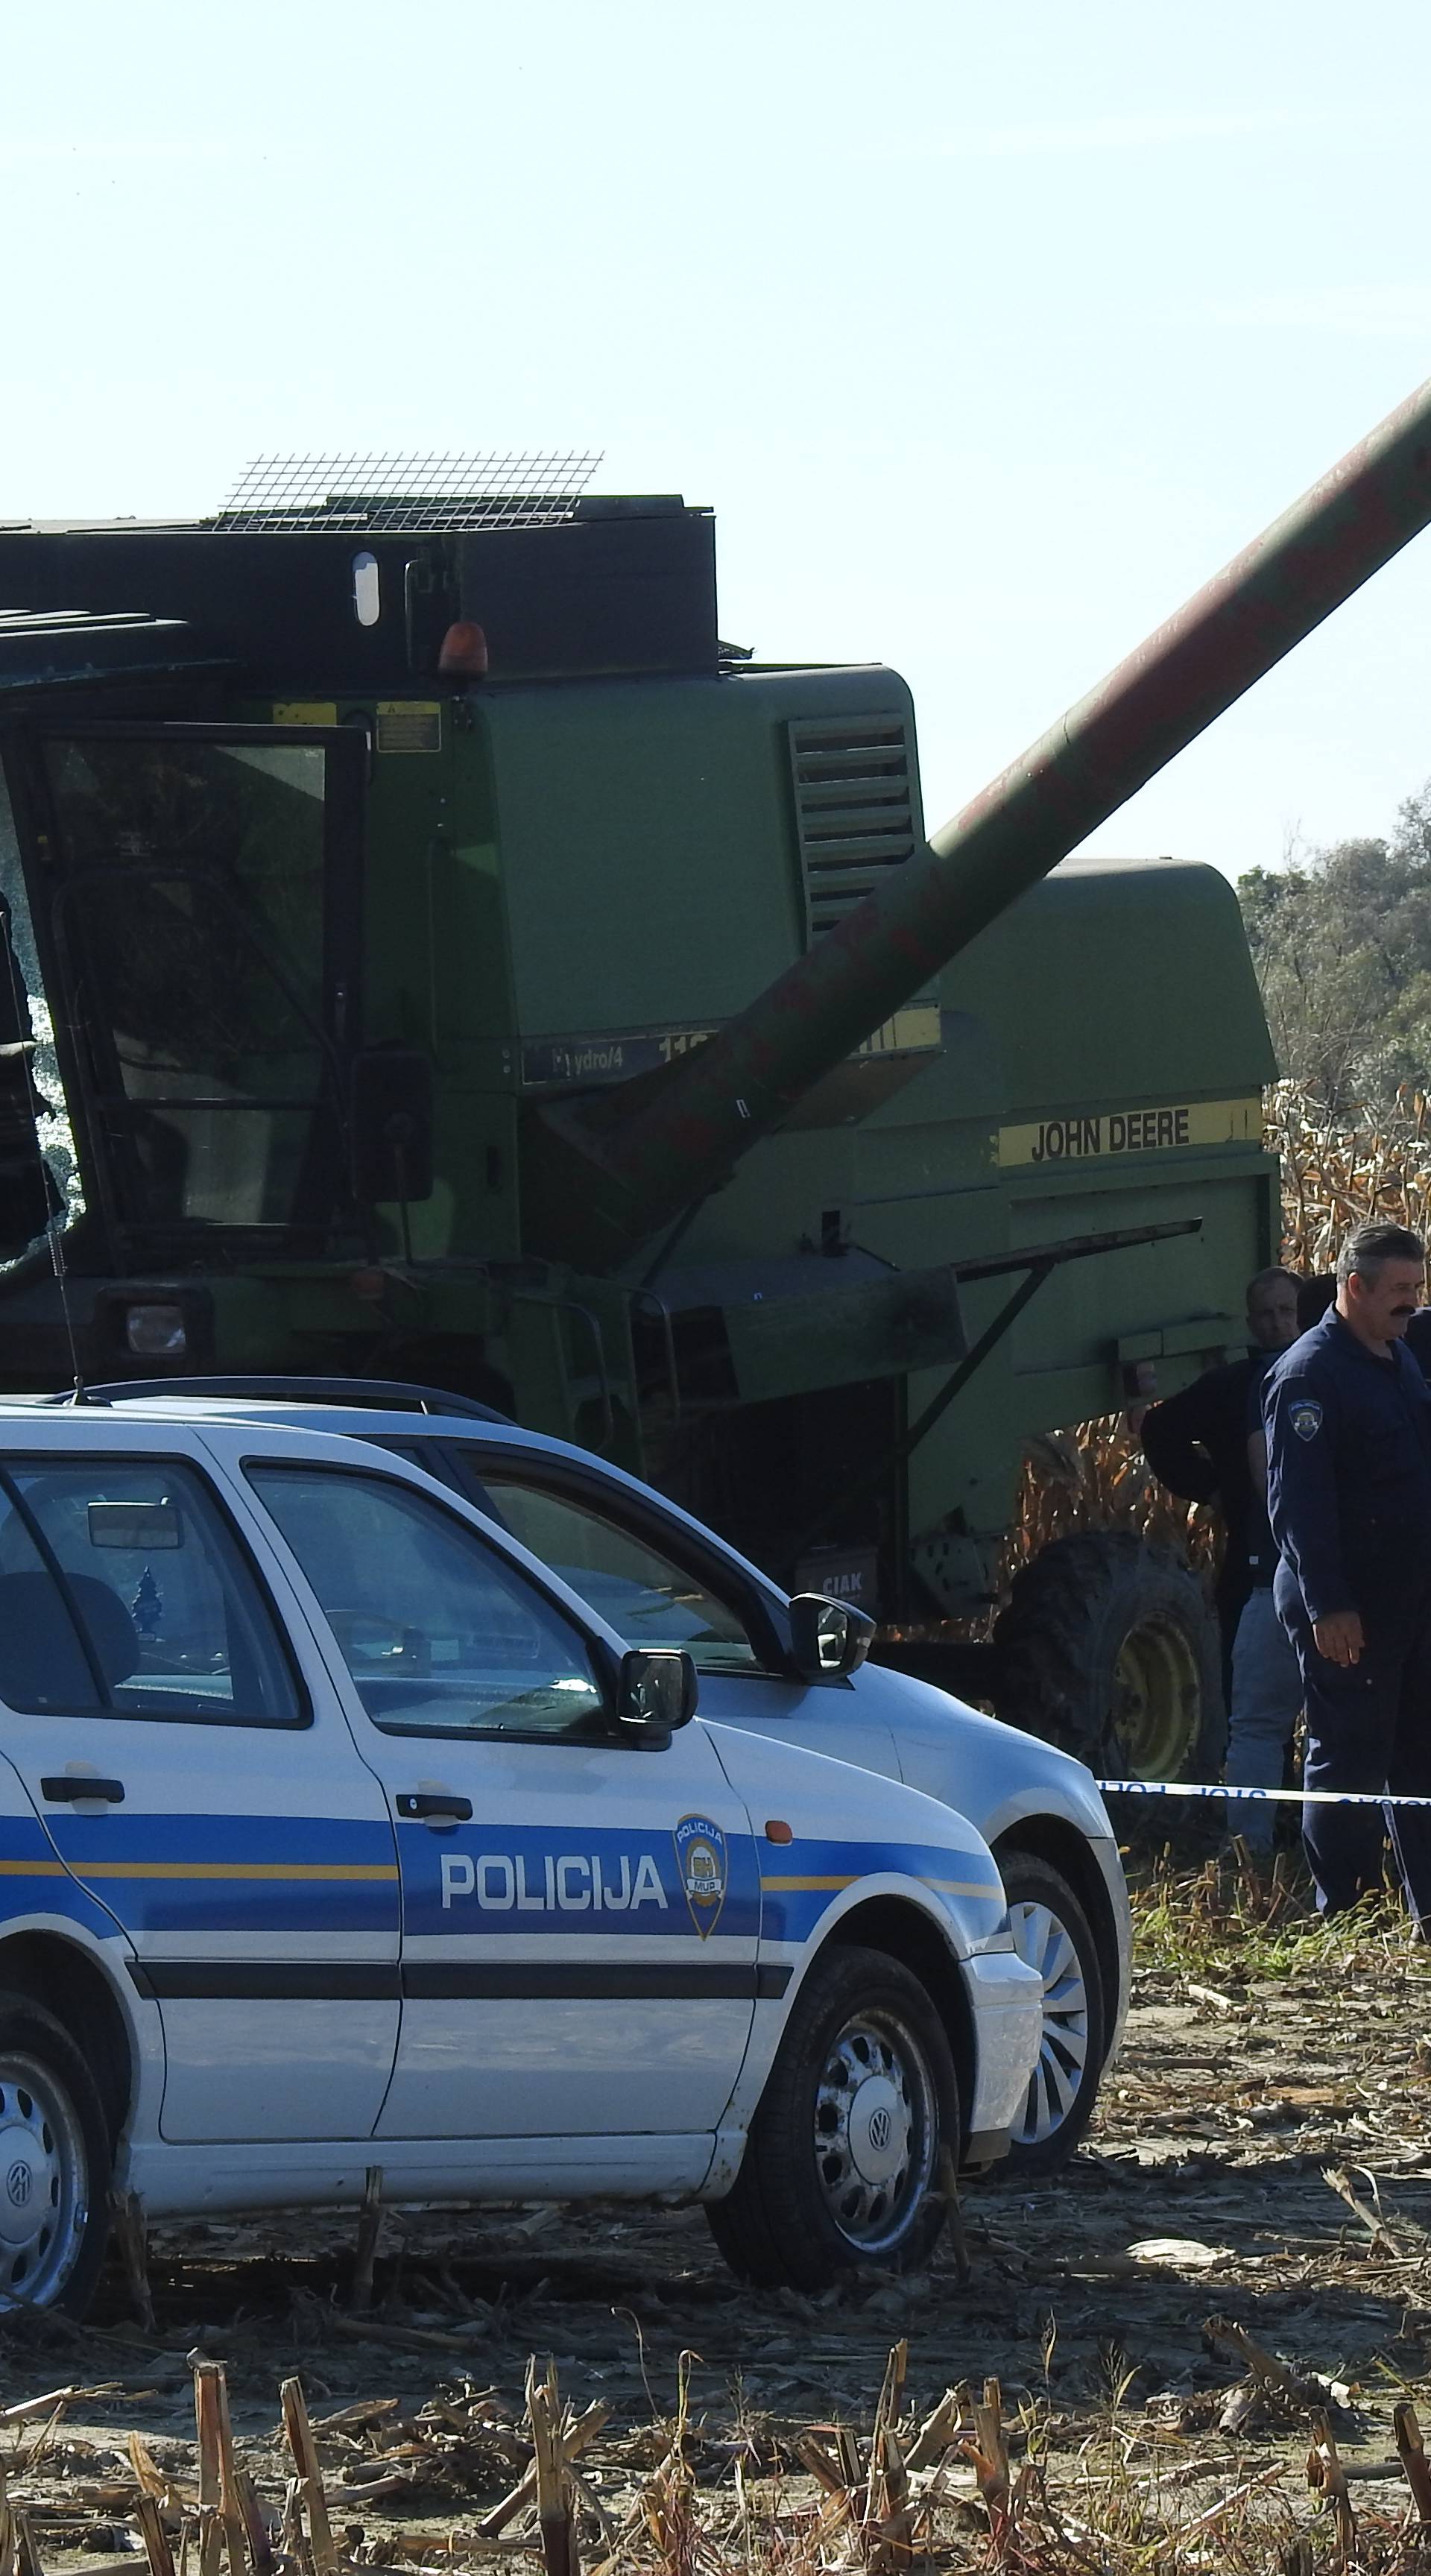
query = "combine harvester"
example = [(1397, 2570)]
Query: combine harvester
[(450, 961)]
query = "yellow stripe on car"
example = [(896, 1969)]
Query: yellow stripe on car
[(798, 1886)]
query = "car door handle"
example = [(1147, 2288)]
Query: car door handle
[(71, 1785), (429, 1803)]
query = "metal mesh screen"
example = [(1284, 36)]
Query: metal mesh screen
[(304, 493)]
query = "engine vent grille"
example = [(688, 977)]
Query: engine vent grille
[(854, 808)]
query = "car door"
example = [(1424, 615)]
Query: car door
[(193, 1772), (580, 1917), (656, 1583)]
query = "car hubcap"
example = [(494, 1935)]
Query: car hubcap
[(1041, 1940), (44, 2184), (874, 2130), (1157, 1702)]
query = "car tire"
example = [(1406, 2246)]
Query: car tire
[(1110, 1648), (55, 2165), (845, 2159), (1053, 1934)]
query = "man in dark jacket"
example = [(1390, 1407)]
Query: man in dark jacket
[(1417, 1340), (1196, 1443), (1348, 1422)]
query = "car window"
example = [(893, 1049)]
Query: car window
[(639, 1591), (440, 1634), (124, 1593), (428, 1455)]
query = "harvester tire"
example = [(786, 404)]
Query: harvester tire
[(1109, 1647)]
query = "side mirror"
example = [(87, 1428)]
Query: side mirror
[(828, 1639), (390, 1126), (656, 1694)]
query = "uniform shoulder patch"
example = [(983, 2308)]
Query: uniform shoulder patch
[(1306, 1418)]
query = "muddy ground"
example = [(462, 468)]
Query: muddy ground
[(1250, 2073)]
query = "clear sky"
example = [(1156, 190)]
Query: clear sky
[(989, 327)]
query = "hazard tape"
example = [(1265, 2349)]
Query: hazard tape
[(1288, 1797)]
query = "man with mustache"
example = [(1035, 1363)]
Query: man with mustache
[(1348, 1420)]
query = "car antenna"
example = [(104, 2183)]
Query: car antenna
[(61, 1271), (55, 1229)]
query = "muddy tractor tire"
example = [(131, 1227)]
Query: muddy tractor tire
[(1109, 1647)]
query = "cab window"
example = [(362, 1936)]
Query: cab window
[(638, 1590), (124, 1593), (440, 1635)]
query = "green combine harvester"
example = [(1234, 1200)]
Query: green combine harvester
[(445, 959)]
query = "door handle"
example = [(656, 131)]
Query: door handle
[(70, 1785), (427, 1804)]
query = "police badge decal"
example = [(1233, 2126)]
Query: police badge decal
[(1306, 1420), (701, 1860)]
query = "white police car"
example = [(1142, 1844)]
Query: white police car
[(337, 1830), (661, 1577)]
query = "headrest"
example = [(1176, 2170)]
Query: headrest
[(40, 1660)]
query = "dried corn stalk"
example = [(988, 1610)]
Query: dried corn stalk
[(1336, 1173)]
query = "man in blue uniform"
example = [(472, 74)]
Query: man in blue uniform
[(1348, 1420)]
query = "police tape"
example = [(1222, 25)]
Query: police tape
[(1287, 1797)]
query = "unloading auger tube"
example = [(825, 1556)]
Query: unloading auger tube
[(599, 1178)]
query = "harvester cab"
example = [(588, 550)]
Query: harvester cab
[(435, 954)]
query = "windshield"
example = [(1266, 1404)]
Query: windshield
[(192, 908), (639, 1591)]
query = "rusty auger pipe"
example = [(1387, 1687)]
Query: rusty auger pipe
[(603, 1180)]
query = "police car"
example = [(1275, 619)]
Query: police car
[(337, 1829), (792, 1671)]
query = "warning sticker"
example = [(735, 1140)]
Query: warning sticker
[(305, 711), (409, 724)]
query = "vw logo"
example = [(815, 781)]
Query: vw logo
[(881, 2126), (19, 2182)]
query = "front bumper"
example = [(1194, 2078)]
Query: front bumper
[(1005, 1999), (1105, 1853)]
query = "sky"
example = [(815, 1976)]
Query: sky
[(989, 328)]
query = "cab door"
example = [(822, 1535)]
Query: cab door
[(202, 889), (193, 1772), (580, 1916)]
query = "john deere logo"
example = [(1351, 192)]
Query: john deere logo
[(19, 2183), (701, 1860)]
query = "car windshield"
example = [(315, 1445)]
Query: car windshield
[(638, 1590)]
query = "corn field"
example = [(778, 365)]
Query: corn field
[(972, 2487), (1335, 1175)]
